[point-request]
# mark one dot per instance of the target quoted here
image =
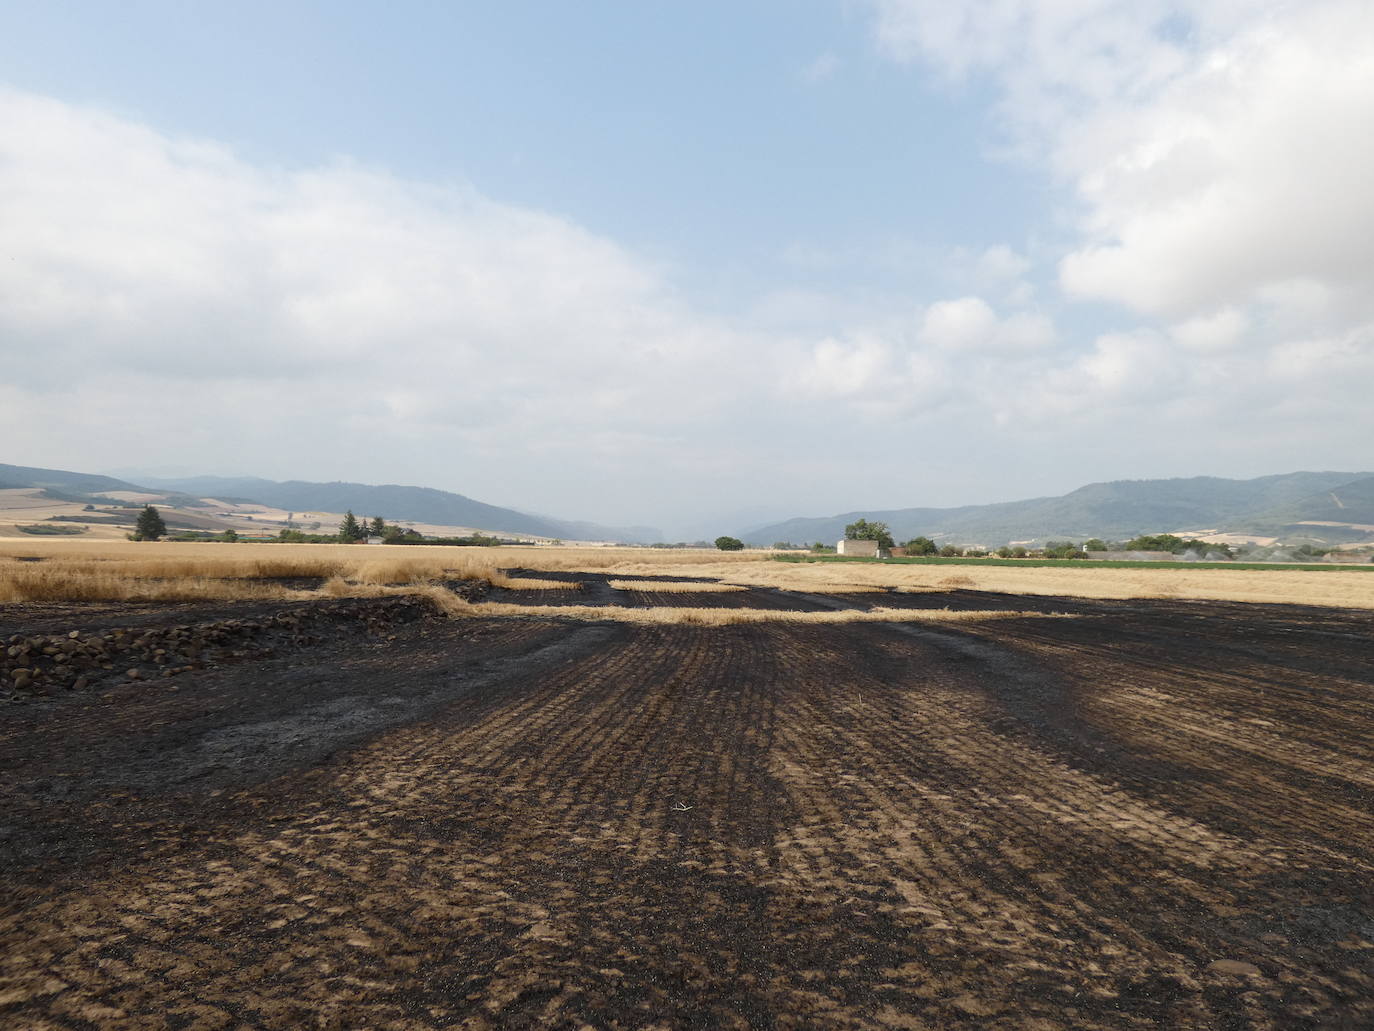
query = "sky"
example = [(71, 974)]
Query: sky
[(696, 266)]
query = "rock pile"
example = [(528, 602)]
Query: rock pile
[(47, 663)]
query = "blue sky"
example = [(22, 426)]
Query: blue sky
[(688, 264), (701, 135)]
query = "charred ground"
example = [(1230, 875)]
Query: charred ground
[(1152, 814)]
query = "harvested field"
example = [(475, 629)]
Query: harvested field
[(359, 813)]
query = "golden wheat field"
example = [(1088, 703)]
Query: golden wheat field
[(64, 570)]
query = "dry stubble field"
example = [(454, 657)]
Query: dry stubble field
[(1059, 809)]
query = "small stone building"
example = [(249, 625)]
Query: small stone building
[(864, 549)]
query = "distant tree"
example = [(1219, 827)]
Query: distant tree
[(377, 528), (150, 525), (350, 530), (729, 544), (863, 530), (1061, 549), (1094, 544), (1158, 542), (230, 536), (950, 551), (89, 508), (921, 546), (1018, 552), (823, 549), (1004, 552)]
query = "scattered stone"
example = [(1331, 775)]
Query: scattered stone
[(133, 674)]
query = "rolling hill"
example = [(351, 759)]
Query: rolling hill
[(60, 480), (1118, 510), (394, 502)]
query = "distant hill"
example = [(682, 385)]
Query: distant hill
[(60, 480), (393, 502), (1117, 510), (1351, 502)]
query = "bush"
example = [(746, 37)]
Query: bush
[(51, 530), (729, 544), (921, 546), (1062, 549)]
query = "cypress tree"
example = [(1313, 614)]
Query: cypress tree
[(150, 525)]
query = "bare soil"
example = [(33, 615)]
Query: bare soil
[(1156, 814)]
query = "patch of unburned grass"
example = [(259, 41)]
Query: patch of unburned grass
[(453, 605), (522, 583), (675, 586)]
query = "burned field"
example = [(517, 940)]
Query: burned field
[(1150, 814)]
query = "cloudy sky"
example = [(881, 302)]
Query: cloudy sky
[(692, 265)]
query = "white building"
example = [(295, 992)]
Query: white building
[(865, 549)]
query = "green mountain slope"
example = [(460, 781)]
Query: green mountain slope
[(1116, 510), (1351, 502)]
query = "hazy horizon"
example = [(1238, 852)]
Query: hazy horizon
[(670, 267)]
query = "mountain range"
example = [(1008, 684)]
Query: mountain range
[(1280, 505), (393, 502), (1330, 507)]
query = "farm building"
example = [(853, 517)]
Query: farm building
[(865, 549)]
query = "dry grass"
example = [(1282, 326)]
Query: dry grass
[(171, 572), (39, 584), (451, 604), (1335, 587), (96, 567), (674, 586), (518, 583)]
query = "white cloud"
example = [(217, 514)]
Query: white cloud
[(1215, 159), (220, 294), (822, 68), (1217, 148), (969, 324), (166, 301), (1219, 331)]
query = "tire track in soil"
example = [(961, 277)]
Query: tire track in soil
[(885, 830)]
